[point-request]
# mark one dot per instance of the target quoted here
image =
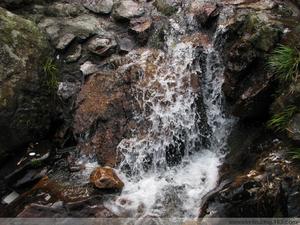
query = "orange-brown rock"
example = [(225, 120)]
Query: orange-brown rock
[(106, 178)]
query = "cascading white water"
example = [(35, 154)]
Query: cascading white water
[(168, 102)]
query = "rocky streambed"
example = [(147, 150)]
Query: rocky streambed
[(145, 109)]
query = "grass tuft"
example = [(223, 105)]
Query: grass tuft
[(285, 63), (295, 153), (51, 71), (280, 120)]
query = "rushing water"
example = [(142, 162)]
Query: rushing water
[(165, 167)]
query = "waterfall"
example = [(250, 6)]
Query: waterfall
[(169, 130)]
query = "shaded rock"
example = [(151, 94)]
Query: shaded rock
[(106, 178), (26, 108), (30, 177), (262, 192), (74, 54), (127, 9), (141, 28), (167, 7), (291, 187), (99, 6), (248, 85), (65, 41), (16, 3), (203, 11), (125, 44), (102, 46)]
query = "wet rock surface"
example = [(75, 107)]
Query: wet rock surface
[(248, 83), (80, 209), (104, 108), (267, 190), (106, 178), (94, 42)]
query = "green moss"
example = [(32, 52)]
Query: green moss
[(12, 24), (165, 8)]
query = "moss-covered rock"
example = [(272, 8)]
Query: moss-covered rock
[(248, 84), (25, 107), (166, 7)]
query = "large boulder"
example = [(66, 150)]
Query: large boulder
[(247, 83), (104, 111), (25, 104)]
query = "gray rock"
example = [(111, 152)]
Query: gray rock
[(67, 89), (125, 10), (88, 68), (64, 9), (82, 27), (25, 104), (102, 46), (99, 6), (126, 44), (65, 41)]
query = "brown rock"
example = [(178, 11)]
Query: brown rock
[(104, 109), (140, 25), (203, 11), (106, 178)]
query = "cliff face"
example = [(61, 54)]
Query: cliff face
[(89, 86)]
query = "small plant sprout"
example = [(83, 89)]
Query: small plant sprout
[(280, 120), (285, 63)]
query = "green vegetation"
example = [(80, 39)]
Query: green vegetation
[(280, 120), (51, 71), (285, 63), (295, 153), (36, 163)]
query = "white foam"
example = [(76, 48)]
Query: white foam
[(168, 107)]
